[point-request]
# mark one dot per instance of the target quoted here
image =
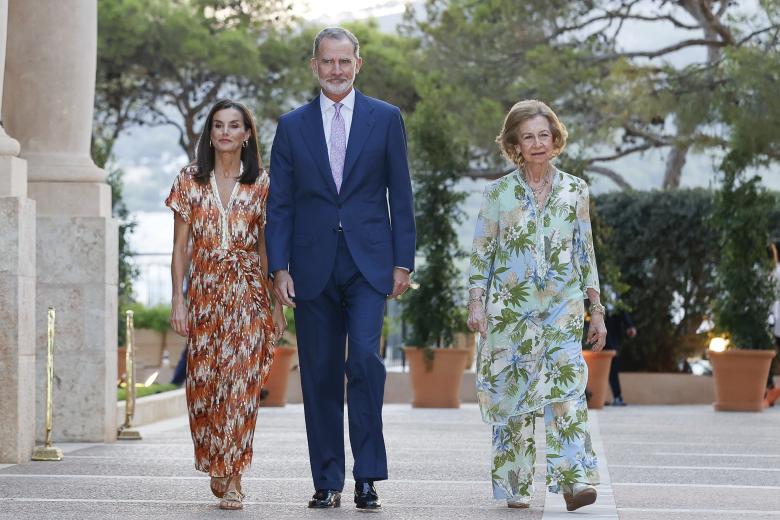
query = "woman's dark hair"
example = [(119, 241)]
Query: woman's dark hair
[(250, 155)]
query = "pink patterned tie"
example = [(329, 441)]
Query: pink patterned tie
[(338, 146)]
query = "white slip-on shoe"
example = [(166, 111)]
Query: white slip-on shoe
[(578, 496), (519, 502)]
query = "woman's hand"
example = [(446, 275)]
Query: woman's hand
[(280, 322), (597, 331), (477, 320), (178, 318)]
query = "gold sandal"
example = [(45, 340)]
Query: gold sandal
[(219, 486), (232, 499)]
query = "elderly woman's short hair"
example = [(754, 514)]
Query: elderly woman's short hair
[(521, 112), (335, 33)]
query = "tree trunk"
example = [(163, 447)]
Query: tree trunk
[(674, 166)]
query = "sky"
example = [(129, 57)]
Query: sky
[(151, 157), (344, 9)]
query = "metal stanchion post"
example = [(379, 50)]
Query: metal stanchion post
[(126, 432), (47, 451)]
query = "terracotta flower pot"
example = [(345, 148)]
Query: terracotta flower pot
[(468, 342), (598, 376), (740, 379), (276, 383), (436, 383)]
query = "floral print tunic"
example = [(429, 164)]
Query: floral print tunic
[(229, 317), (534, 265)]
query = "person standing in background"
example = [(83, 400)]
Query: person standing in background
[(770, 384), (617, 321)]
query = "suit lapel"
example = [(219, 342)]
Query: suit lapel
[(362, 123), (314, 137)]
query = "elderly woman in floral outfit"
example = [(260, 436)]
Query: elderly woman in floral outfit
[(532, 266)]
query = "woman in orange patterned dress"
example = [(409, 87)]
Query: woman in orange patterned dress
[(219, 203)]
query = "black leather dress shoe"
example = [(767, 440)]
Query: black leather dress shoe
[(366, 496), (325, 498)]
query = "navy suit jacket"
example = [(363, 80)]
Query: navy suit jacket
[(374, 205)]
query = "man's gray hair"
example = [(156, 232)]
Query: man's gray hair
[(335, 33)]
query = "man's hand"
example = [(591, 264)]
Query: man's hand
[(401, 281), (284, 288)]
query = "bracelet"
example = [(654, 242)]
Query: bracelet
[(597, 307)]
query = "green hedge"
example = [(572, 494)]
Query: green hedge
[(154, 318), (142, 391), (665, 248)]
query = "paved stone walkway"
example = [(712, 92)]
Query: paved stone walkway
[(663, 462)]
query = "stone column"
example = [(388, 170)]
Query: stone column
[(49, 96), (17, 293)]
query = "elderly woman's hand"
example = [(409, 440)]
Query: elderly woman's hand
[(477, 320), (597, 331)]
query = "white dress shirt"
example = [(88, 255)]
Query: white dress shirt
[(327, 108)]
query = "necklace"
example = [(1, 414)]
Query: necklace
[(545, 183)]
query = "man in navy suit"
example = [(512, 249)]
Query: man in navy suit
[(341, 239)]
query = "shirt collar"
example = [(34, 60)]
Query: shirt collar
[(326, 103)]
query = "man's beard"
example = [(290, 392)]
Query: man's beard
[(335, 88)]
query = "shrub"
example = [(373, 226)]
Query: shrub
[(154, 318), (666, 252)]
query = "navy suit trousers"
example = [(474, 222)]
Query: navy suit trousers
[(349, 308)]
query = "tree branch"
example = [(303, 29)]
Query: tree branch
[(752, 35), (714, 23), (644, 134), (696, 42), (611, 175), (623, 153)]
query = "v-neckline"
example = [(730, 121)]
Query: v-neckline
[(530, 193), (215, 188)]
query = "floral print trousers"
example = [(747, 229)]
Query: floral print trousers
[(570, 456)]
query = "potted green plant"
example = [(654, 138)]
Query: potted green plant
[(599, 363), (598, 372), (431, 309), (744, 293), (275, 387), (150, 329)]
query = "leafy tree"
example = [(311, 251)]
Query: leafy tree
[(751, 110), (164, 62), (617, 101), (745, 289), (390, 65), (127, 272), (438, 158)]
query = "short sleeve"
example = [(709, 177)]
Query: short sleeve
[(178, 200)]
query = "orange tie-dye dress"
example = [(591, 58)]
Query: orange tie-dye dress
[(229, 316)]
